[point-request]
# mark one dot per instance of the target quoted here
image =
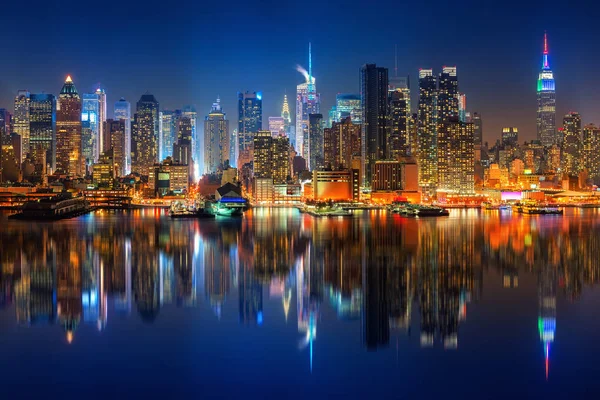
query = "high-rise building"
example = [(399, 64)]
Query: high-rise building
[(462, 107), (427, 131), (308, 101), (69, 159), (263, 155), (114, 135), (546, 103), (90, 128), (249, 119), (277, 126), (315, 141), (340, 143), (216, 139), (182, 148), (398, 120), (285, 114), (332, 117), (478, 126), (122, 111), (101, 144), (144, 140), (447, 95), (21, 120), (374, 91), (348, 105), (571, 144), (456, 157), (510, 136), (591, 151), (42, 129), (281, 159), (197, 146)]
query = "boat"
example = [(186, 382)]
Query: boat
[(324, 210), (430, 211), (532, 209), (505, 207), (62, 206), (181, 210)]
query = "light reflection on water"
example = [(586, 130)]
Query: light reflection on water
[(397, 284)]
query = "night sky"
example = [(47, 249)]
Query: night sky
[(190, 52)]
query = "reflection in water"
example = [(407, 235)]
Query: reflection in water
[(381, 269)]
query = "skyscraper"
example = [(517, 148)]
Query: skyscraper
[(285, 114), (427, 131), (21, 120), (315, 142), (478, 129), (90, 128), (69, 159), (216, 139), (182, 148), (42, 128), (374, 90), (263, 155), (591, 152), (249, 119), (571, 144), (145, 135), (447, 96), (340, 143), (277, 126), (122, 111), (456, 158), (308, 101), (348, 105), (114, 135), (398, 119), (546, 102), (197, 148), (510, 136), (101, 144)]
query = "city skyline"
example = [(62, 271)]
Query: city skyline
[(512, 64)]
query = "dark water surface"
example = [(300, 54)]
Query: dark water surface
[(283, 305)]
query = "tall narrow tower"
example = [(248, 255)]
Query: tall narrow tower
[(69, 159), (546, 102)]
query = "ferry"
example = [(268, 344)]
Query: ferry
[(181, 210), (543, 210), (61, 206), (416, 210), (326, 211)]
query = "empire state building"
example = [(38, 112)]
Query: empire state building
[(546, 103)]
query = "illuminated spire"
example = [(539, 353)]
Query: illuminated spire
[(68, 80), (545, 64), (309, 63)]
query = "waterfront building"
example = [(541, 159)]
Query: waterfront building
[(169, 176), (571, 144), (69, 160), (387, 176), (342, 185), (591, 152), (348, 105), (315, 142), (374, 90), (216, 139), (122, 110), (249, 119), (42, 130), (546, 103), (144, 135), (427, 131), (456, 161), (103, 172), (21, 120), (340, 143), (114, 133)]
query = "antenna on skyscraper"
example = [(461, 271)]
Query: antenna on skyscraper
[(396, 61), (309, 63)]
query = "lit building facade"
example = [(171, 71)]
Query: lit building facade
[(571, 144), (182, 148), (216, 139), (145, 135), (510, 136), (591, 151), (546, 103), (315, 142), (341, 143), (348, 105), (69, 159), (42, 128), (122, 110), (447, 95), (90, 128), (427, 131), (249, 119), (285, 114), (114, 132), (456, 161), (167, 132), (277, 126), (374, 90), (398, 119), (21, 120), (308, 101)]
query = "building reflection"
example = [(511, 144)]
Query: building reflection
[(393, 275)]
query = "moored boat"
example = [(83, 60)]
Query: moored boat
[(61, 206)]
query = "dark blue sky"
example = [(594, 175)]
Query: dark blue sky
[(190, 52)]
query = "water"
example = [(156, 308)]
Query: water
[(282, 305)]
